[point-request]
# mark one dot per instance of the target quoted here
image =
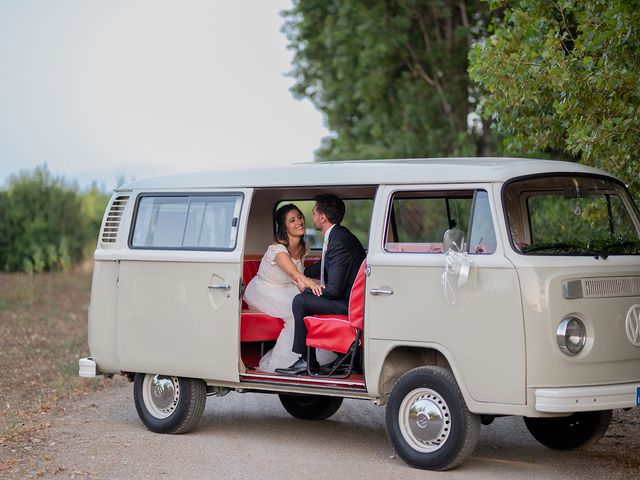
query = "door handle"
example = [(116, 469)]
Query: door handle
[(219, 286), (381, 291)]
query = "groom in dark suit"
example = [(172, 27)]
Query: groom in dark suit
[(342, 255)]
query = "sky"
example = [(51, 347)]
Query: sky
[(100, 90)]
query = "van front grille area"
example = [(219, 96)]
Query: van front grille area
[(601, 287), (112, 223)]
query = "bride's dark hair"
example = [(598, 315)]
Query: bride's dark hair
[(281, 229)]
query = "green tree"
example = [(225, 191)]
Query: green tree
[(390, 77), (562, 79)]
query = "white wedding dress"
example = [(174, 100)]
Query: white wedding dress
[(272, 292)]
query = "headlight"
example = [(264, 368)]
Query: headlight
[(571, 336)]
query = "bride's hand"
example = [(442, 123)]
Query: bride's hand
[(299, 283), (309, 283)]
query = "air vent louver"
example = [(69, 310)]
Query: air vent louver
[(111, 224), (607, 287), (611, 287)]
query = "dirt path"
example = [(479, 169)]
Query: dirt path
[(99, 435)]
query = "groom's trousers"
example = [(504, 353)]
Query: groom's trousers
[(305, 304)]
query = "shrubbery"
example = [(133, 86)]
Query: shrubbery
[(46, 223)]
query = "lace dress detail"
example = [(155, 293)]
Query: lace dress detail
[(272, 292), (269, 270)]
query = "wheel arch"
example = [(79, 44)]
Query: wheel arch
[(400, 358)]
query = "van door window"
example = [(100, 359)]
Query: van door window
[(482, 236), (193, 222), (417, 221)]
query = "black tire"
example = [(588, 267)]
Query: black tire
[(579, 430), (310, 407), (428, 422), (168, 404)]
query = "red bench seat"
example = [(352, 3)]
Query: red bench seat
[(256, 326), (259, 327)]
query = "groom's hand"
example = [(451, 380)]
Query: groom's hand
[(317, 290)]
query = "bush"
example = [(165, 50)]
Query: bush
[(45, 222)]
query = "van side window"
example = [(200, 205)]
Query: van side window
[(192, 222), (482, 237), (417, 221)]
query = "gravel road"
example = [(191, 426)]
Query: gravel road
[(250, 436)]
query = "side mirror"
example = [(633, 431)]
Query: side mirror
[(453, 240)]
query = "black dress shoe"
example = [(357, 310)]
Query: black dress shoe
[(328, 367), (296, 369)]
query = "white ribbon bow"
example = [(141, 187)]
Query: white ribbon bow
[(456, 263)]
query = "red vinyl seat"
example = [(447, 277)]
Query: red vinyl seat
[(256, 326), (340, 333), (259, 327)]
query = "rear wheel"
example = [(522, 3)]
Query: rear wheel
[(428, 422), (310, 407), (568, 433), (168, 404)]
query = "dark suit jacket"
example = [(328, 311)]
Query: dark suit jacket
[(341, 263)]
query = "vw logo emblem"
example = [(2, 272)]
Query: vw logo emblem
[(633, 325), (158, 391), (423, 420)]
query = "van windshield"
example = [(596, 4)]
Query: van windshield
[(571, 215)]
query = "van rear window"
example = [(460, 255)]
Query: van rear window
[(188, 222)]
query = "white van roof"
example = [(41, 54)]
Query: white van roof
[(365, 172)]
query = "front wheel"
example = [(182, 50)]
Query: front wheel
[(168, 404), (428, 422), (568, 433), (310, 407)]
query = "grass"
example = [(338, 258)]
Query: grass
[(43, 333)]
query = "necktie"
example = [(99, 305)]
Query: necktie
[(324, 251)]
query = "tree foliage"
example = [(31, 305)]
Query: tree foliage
[(562, 77), (46, 223), (390, 77)]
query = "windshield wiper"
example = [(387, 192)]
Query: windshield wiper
[(564, 248), (605, 250)]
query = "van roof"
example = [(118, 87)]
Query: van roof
[(365, 172)]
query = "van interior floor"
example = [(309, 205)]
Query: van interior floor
[(355, 381)]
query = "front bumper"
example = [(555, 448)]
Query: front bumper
[(585, 399)]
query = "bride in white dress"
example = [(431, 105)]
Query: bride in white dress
[(280, 278)]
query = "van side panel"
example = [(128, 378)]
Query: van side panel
[(103, 310)]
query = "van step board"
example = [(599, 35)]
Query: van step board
[(354, 382)]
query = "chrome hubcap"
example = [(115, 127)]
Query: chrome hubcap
[(160, 394), (425, 420)]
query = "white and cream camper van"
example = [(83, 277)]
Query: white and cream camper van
[(490, 287)]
